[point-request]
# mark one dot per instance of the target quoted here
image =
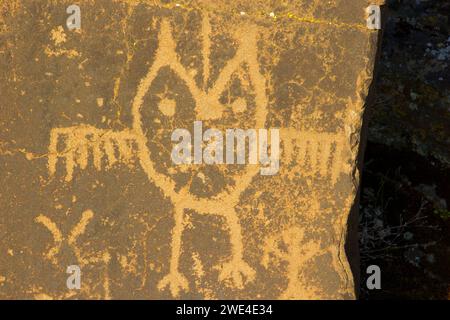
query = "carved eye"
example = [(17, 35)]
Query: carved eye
[(167, 107), (239, 105)]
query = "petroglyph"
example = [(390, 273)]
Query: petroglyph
[(298, 254), (81, 140), (70, 240), (316, 154), (83, 258), (88, 117)]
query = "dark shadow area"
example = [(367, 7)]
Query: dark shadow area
[(404, 226), (404, 216)]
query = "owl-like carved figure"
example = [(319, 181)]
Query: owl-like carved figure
[(133, 144)]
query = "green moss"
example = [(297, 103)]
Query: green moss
[(444, 214)]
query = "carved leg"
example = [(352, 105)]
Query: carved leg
[(236, 271), (175, 281)]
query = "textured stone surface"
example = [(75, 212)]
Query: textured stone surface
[(87, 117)]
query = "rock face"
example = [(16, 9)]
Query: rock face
[(92, 118)]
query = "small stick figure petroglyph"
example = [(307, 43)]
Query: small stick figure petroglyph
[(298, 255)]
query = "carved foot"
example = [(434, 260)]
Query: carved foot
[(237, 272), (176, 283)]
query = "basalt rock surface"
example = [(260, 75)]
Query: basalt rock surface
[(88, 178)]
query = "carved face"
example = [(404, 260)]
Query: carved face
[(227, 93)]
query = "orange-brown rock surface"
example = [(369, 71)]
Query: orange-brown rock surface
[(87, 120)]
